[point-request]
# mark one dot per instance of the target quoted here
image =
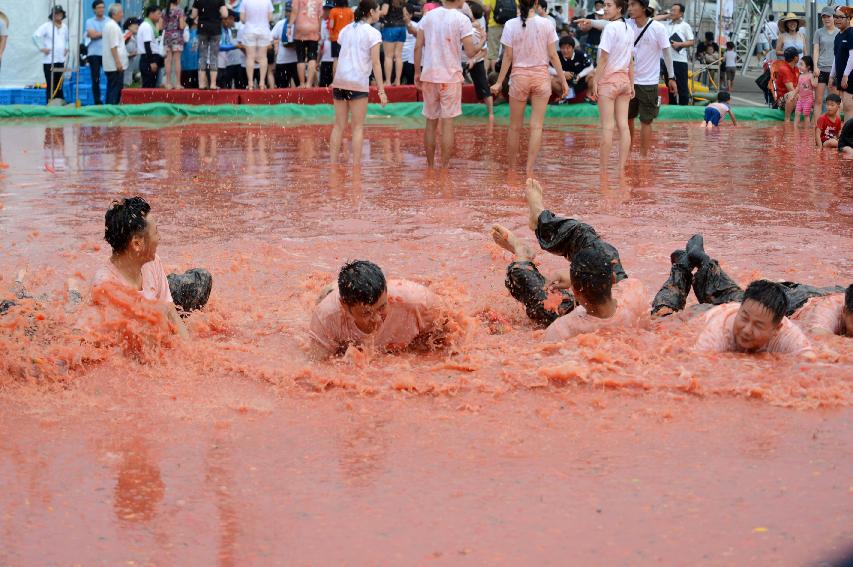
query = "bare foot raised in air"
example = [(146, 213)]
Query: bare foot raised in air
[(534, 202), (505, 238)]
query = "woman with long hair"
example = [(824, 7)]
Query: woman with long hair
[(359, 56), (530, 43), (613, 82)]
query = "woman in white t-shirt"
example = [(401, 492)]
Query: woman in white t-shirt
[(613, 83), (256, 16), (530, 43), (359, 56)]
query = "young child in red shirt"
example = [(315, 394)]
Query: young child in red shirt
[(828, 126)]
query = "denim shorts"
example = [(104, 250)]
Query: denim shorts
[(395, 34)]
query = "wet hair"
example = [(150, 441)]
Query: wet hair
[(622, 5), (97, 3), (124, 220), (770, 295), (848, 299), (808, 62), (341, 3), (476, 10), (361, 282), (150, 9), (592, 275), (566, 40), (833, 98), (723, 96), (524, 7), (790, 54), (364, 8)]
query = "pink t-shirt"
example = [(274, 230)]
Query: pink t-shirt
[(408, 305), (529, 44), (825, 313), (632, 311), (155, 286), (307, 15), (443, 31), (718, 334)]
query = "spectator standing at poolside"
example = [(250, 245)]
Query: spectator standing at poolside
[(174, 22), (771, 31), (115, 54), (307, 16), (681, 36), (229, 57), (95, 50), (593, 37), (731, 65), (393, 37), (130, 27), (52, 40), (149, 41), (286, 74), (209, 15), (4, 37), (790, 34), (842, 67), (256, 16), (340, 16), (823, 52), (189, 57)]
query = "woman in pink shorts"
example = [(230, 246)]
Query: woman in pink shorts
[(613, 83), (529, 42)]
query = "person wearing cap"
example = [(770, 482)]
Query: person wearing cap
[(785, 76), (790, 34), (209, 15), (681, 37), (51, 38), (651, 44), (95, 51), (823, 52), (843, 64)]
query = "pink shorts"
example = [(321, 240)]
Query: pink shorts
[(614, 85), (805, 105), (526, 82), (442, 100)]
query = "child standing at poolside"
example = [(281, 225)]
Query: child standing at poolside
[(805, 90), (340, 17), (716, 111)]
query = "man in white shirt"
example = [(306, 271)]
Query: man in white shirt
[(51, 38), (148, 39), (115, 54), (95, 50), (681, 36)]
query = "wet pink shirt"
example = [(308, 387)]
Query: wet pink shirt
[(529, 43), (155, 286), (718, 334), (443, 31), (825, 313), (408, 304), (632, 311)]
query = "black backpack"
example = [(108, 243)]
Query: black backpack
[(505, 10)]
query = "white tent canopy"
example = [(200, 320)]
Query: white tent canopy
[(22, 61)]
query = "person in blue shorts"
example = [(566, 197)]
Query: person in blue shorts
[(716, 111)]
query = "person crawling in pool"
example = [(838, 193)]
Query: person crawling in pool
[(751, 320), (364, 310), (131, 231), (828, 315), (596, 292)]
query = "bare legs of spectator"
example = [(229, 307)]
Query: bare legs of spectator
[(393, 55), (307, 81), (446, 140)]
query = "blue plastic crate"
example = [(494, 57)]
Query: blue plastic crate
[(86, 96), (5, 96), (29, 96)]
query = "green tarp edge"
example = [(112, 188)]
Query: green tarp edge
[(326, 111)]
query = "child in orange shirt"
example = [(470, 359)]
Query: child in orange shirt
[(340, 16)]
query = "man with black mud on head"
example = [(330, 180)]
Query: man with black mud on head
[(595, 293), (751, 320), (131, 231), (367, 311)]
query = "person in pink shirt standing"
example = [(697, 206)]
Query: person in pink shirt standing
[(442, 34), (829, 315), (530, 43), (131, 231), (308, 17), (366, 311)]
